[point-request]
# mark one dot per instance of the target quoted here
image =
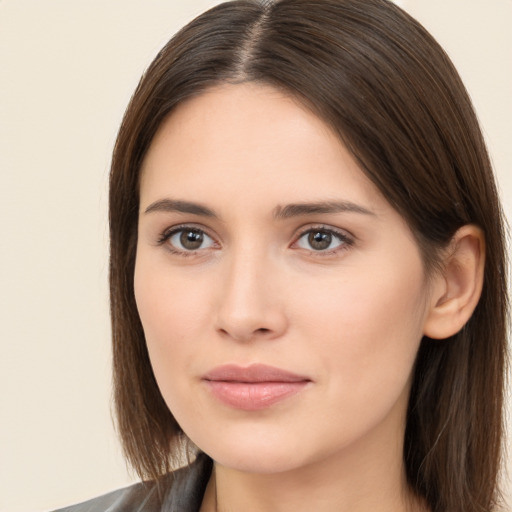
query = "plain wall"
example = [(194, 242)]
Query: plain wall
[(67, 71)]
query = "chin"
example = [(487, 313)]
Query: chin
[(255, 453), (274, 454), (257, 462)]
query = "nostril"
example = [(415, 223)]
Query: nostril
[(262, 331)]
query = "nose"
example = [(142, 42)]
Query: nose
[(250, 305)]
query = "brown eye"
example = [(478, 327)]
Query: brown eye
[(189, 240), (319, 240), (323, 240)]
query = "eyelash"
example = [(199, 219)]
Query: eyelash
[(346, 241), (169, 233)]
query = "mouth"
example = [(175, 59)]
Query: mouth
[(254, 387)]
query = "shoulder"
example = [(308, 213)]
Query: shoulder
[(180, 490), (136, 497)]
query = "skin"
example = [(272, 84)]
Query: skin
[(349, 317)]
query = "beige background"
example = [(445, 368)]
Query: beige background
[(67, 70)]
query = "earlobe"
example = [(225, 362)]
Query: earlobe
[(457, 288)]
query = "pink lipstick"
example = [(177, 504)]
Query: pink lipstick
[(254, 387)]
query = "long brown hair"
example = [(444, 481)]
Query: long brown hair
[(393, 96)]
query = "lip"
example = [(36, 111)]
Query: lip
[(254, 387)]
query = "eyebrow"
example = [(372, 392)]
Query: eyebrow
[(279, 213), (324, 207), (173, 205)]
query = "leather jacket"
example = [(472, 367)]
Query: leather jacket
[(179, 491)]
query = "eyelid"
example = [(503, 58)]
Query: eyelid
[(170, 231), (345, 236)]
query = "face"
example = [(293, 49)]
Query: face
[(282, 298)]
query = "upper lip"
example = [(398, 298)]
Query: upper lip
[(252, 373)]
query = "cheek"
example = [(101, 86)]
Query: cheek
[(170, 321), (173, 316), (170, 304), (369, 326)]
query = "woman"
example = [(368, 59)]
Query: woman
[(307, 269)]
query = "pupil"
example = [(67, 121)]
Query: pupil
[(319, 240), (191, 239)]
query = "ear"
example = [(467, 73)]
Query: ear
[(457, 287)]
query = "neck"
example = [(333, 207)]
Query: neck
[(354, 481)]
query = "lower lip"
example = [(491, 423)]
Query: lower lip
[(254, 396)]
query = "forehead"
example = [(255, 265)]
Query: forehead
[(251, 139)]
